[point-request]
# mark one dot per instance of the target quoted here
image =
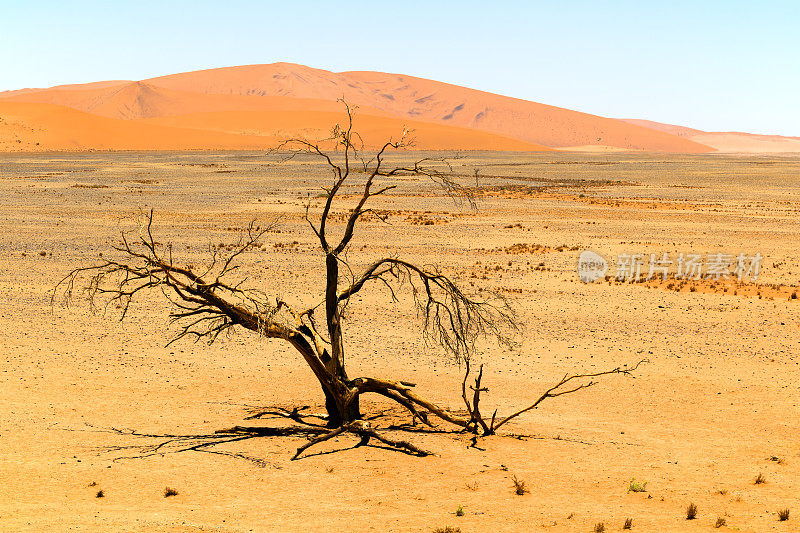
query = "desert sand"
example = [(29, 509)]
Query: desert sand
[(27, 127), (258, 104), (728, 141), (716, 405), (430, 100), (288, 87)]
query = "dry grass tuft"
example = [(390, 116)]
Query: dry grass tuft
[(519, 486), (637, 486), (691, 512)]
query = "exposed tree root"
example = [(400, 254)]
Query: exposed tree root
[(177, 443), (366, 432)]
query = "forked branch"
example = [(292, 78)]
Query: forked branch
[(569, 384), (451, 318)]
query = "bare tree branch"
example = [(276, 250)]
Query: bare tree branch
[(559, 389), (451, 319)]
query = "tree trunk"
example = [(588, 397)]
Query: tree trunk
[(339, 413), (335, 389), (333, 317)]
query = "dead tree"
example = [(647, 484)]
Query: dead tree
[(206, 302)]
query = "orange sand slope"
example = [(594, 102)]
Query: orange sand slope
[(285, 87), (373, 131), (41, 126), (422, 99), (26, 126), (727, 141), (74, 86), (135, 100)]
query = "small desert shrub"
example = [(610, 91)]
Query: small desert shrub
[(691, 512), (760, 479), (628, 523), (93, 484), (100, 494), (447, 529), (170, 492), (599, 527), (637, 486), (722, 492), (720, 522), (519, 486), (783, 515), (459, 511)]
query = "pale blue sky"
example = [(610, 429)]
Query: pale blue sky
[(713, 65)]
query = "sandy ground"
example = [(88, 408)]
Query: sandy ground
[(716, 405)]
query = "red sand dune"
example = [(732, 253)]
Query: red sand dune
[(727, 141), (135, 100), (37, 126), (74, 86), (373, 131), (680, 131), (285, 87), (283, 99), (33, 126), (421, 99)]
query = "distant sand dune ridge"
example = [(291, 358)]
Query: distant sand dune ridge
[(245, 107)]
